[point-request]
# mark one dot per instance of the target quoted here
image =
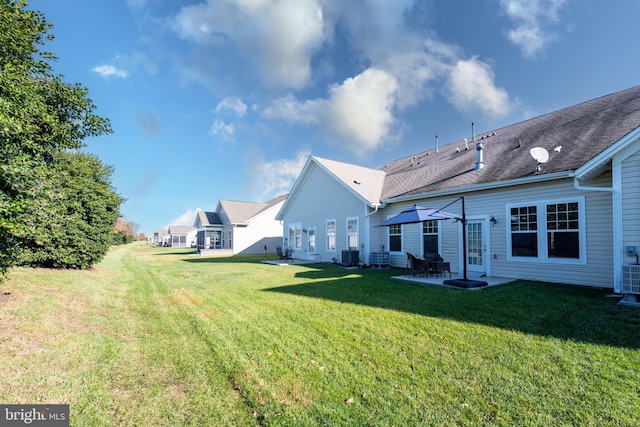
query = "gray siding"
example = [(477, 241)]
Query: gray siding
[(320, 198), (598, 270)]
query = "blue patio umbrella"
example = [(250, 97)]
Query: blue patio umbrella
[(419, 214)]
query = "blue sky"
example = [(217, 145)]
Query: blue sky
[(226, 99)]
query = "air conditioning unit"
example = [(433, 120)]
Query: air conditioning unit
[(350, 258), (631, 279)]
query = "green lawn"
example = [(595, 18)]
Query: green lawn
[(159, 337)]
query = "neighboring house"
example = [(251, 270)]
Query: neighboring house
[(161, 237), (240, 227), (181, 236), (572, 216)]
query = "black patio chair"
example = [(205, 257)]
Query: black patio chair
[(416, 266), (286, 255), (436, 264)]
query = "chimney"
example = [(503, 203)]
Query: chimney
[(480, 152)]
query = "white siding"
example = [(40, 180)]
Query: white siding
[(321, 197), (598, 270), (262, 230)]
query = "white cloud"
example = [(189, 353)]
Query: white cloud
[(282, 35), (530, 18), (471, 88), (294, 111), (186, 218), (232, 104), (359, 112), (270, 179), (110, 71), (221, 128)]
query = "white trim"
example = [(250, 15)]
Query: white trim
[(541, 232), (401, 251), (439, 234), (486, 242), (357, 219), (326, 237)]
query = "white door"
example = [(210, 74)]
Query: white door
[(476, 247), (312, 242)]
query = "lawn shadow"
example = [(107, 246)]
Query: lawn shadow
[(560, 311), (185, 251)]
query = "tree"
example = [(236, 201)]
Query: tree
[(124, 232), (40, 117), (81, 208)]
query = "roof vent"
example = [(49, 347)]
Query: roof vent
[(480, 159)]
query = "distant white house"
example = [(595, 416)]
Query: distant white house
[(181, 236), (161, 237), (568, 211), (238, 227)]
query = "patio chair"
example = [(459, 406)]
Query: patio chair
[(437, 265), (286, 255), (416, 266)]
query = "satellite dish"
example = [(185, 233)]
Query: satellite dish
[(539, 154)]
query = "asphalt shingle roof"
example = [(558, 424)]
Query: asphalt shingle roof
[(364, 181), (241, 212), (582, 131)]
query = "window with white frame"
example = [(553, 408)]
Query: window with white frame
[(563, 230), (331, 235), (430, 237), (222, 240), (552, 231), (230, 238), (395, 238), (352, 233), (295, 236)]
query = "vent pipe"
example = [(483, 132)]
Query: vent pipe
[(473, 131), (480, 152), (436, 143)]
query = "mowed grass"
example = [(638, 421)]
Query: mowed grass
[(159, 337)]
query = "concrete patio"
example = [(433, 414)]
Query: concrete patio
[(439, 280)]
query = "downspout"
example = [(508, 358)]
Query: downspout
[(367, 231), (617, 229)]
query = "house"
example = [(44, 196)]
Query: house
[(238, 227), (161, 237), (555, 198), (181, 236)]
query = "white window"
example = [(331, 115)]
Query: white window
[(230, 238), (395, 238), (549, 231), (352, 233), (331, 235), (295, 236), (430, 237)]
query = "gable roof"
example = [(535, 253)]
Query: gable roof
[(181, 229), (240, 213), (573, 136), (208, 218), (365, 182)]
